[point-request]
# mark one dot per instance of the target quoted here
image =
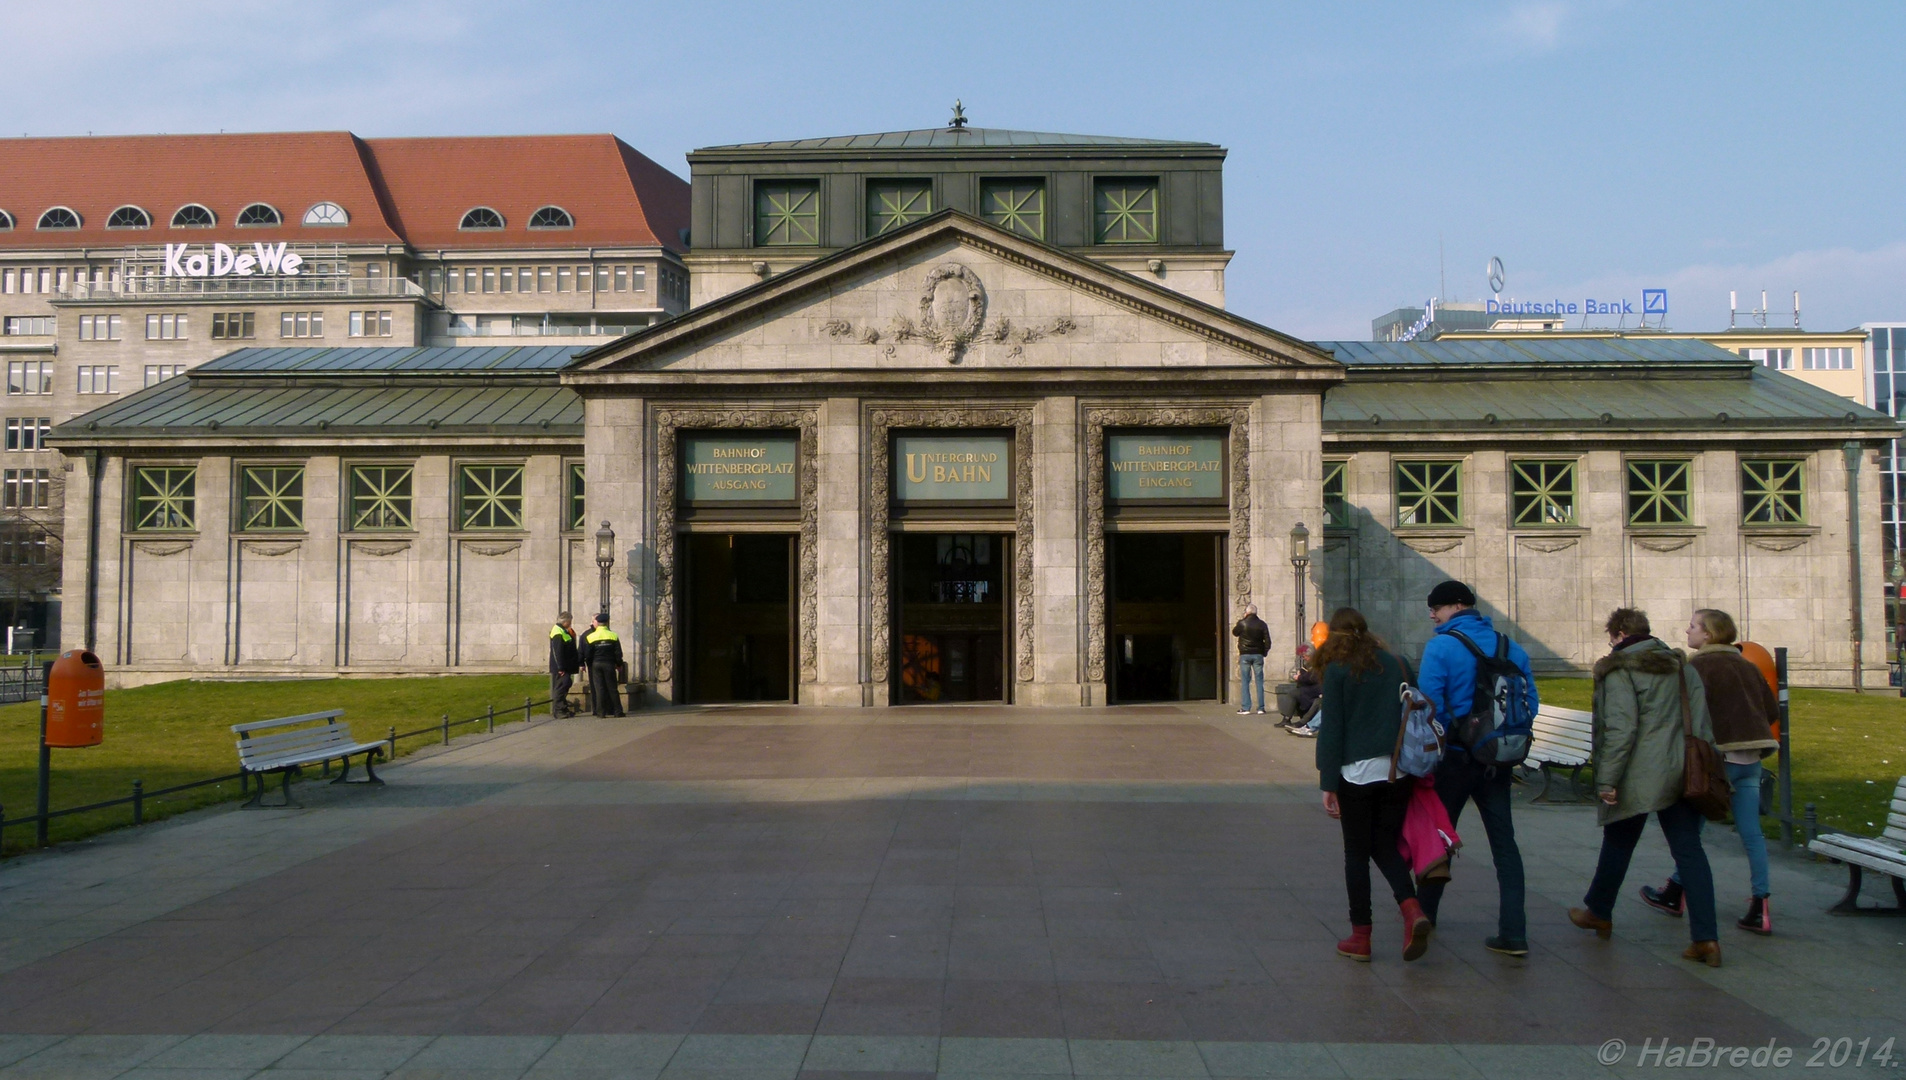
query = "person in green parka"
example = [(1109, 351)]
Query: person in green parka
[(1643, 689)]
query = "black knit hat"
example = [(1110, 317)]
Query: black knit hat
[(1452, 592)]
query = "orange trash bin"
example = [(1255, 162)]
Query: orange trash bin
[(76, 700)]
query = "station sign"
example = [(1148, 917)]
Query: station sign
[(739, 467), (952, 468), (1152, 466), (223, 260)]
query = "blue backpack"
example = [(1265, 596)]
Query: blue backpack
[(1419, 738), (1498, 728)]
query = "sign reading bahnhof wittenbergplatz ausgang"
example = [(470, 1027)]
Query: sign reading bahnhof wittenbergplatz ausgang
[(952, 468), (1147, 466), (738, 468)]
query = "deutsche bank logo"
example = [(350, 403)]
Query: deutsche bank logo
[(1654, 301)]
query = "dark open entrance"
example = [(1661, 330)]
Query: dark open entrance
[(952, 608), (738, 611), (1164, 616)]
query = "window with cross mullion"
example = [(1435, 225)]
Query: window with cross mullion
[(271, 498), (490, 497), (1542, 493), (381, 497), (1658, 492), (1772, 493), (1429, 493)]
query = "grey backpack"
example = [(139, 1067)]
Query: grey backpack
[(1419, 738)]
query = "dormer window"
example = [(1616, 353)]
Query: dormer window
[(6, 221), (259, 214), (551, 217), (326, 213), (193, 216), (129, 217), (481, 218), (59, 217)]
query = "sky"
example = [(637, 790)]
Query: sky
[(1380, 154)]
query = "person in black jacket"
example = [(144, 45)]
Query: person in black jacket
[(1254, 642), (1356, 746), (602, 652), (565, 659)]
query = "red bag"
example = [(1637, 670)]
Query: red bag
[(1428, 839)]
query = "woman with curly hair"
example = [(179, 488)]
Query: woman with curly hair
[(1355, 746)]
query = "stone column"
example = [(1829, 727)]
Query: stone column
[(1060, 595), (615, 471), (1286, 487), (840, 538)]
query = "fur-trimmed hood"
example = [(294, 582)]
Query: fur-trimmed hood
[(1651, 657)]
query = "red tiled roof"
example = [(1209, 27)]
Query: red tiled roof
[(413, 191)]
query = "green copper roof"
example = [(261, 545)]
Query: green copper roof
[(1530, 350), (191, 408), (949, 138), (410, 359)]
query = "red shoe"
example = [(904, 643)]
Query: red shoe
[(1357, 945), (1416, 929)]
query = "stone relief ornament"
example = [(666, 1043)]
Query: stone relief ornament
[(952, 317), (270, 548), (1663, 543), (493, 550), (161, 547)]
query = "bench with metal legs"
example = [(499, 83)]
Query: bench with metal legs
[(297, 741), (1883, 855)]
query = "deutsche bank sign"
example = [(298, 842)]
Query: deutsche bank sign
[(223, 260), (1653, 302)]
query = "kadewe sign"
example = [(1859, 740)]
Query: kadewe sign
[(223, 260)]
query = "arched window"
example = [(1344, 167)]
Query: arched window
[(59, 218), (481, 218), (259, 214), (6, 220), (129, 217), (326, 213), (193, 216), (551, 217)]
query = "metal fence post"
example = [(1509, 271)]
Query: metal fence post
[(526, 705), (138, 802), (446, 729), (392, 739), (1813, 824), (1786, 754), (492, 712), (46, 772)]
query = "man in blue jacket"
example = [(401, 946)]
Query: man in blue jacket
[(1448, 678)]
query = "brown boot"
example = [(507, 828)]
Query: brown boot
[(1588, 920), (1707, 952)]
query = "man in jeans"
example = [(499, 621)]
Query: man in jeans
[(1254, 641), (1448, 679)]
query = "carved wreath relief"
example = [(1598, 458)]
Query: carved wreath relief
[(952, 317)]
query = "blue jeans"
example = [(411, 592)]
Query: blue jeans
[(1681, 825), (1250, 667), (1459, 780), (1745, 780)]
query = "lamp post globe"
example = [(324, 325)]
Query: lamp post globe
[(605, 559)]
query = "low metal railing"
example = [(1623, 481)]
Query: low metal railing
[(327, 285), (23, 683)]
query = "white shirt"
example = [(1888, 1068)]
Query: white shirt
[(1371, 770)]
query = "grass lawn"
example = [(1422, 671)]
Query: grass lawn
[(171, 733), (1849, 750)]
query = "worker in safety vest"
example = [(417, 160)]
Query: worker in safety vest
[(565, 659), (602, 652)]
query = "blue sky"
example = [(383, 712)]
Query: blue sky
[(1597, 147)]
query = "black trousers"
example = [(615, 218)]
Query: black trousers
[(602, 692), (1372, 817), (559, 684)]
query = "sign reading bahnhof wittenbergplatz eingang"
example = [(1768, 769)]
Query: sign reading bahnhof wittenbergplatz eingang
[(1153, 465), (744, 468)]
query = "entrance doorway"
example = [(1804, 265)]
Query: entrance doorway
[(738, 611), (1164, 616), (951, 630)]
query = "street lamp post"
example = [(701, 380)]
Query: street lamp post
[(1300, 562), (605, 559)]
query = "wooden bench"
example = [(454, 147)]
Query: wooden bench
[(1885, 855), (1563, 739), (296, 741)]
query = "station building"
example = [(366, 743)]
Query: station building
[(957, 415), (128, 261)]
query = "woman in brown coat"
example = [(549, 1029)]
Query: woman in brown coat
[(1744, 710)]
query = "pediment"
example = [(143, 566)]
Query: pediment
[(962, 295)]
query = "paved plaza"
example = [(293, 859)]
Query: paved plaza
[(954, 892)]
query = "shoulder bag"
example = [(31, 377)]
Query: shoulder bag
[(1703, 779)]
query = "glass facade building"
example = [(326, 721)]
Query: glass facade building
[(1886, 343)]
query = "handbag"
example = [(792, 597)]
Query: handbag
[(1703, 778)]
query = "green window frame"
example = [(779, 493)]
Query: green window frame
[(1336, 501), (270, 498), (164, 498), (489, 496), (1429, 493), (380, 497), (1658, 492), (576, 509), (787, 213), (1016, 205), (1125, 210), (893, 204), (1773, 492), (1541, 493)]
